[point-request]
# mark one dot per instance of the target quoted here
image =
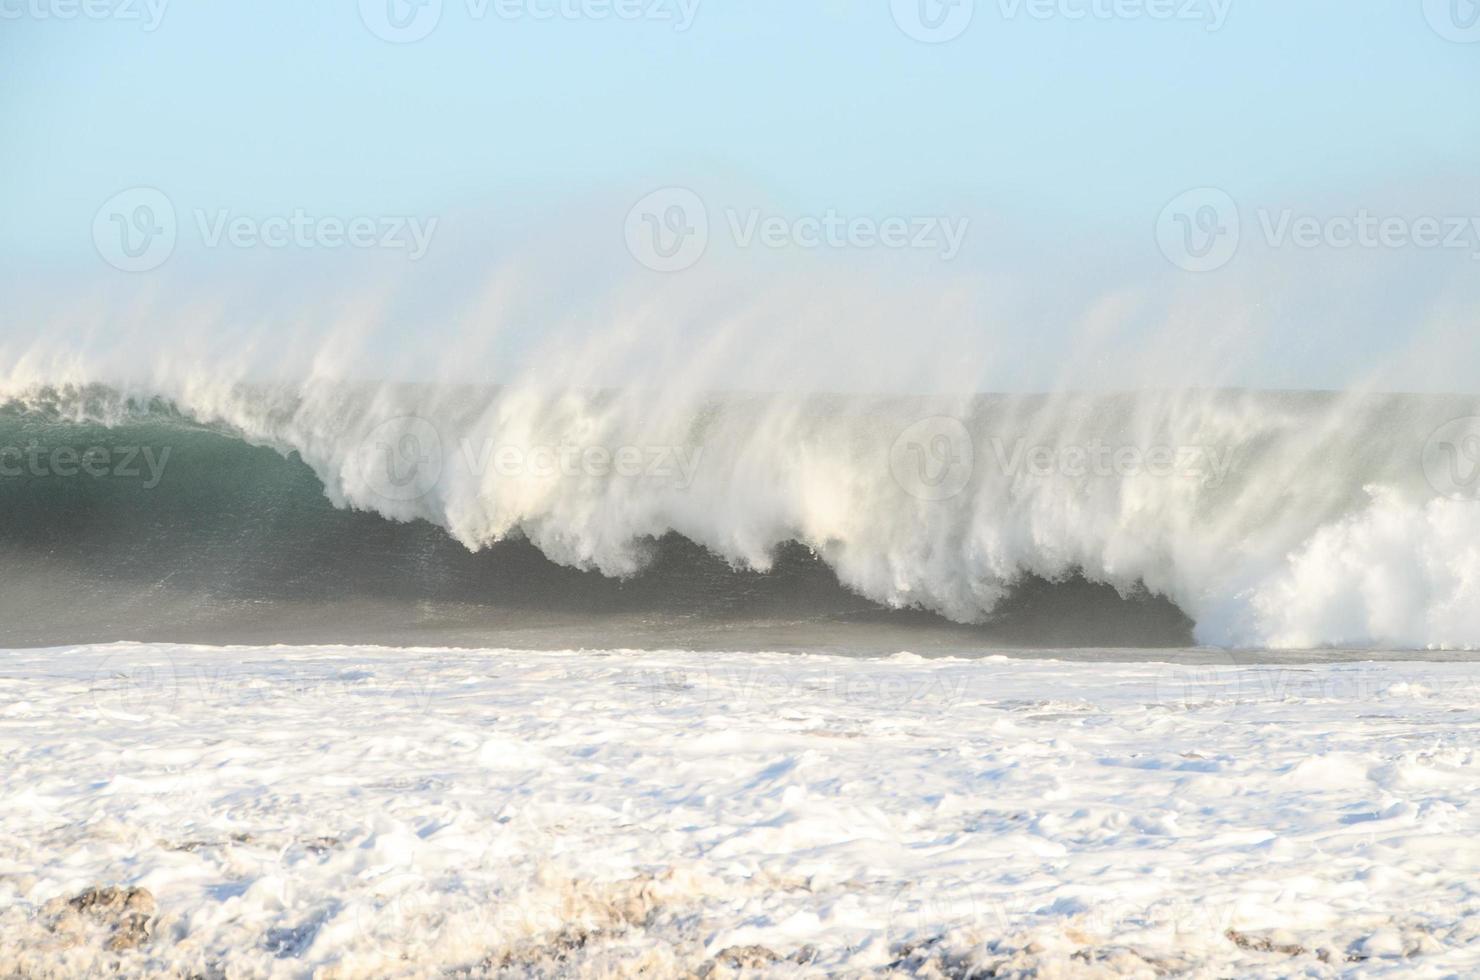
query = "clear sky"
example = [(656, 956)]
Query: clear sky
[(1056, 126)]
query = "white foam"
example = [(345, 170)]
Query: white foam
[(357, 813)]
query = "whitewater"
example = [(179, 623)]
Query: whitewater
[(1269, 520), (340, 812)]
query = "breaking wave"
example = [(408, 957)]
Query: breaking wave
[(1231, 518)]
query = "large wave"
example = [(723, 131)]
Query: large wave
[(1276, 520)]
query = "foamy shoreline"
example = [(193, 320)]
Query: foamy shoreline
[(353, 812)]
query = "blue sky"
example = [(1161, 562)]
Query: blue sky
[(1069, 131), (279, 102)]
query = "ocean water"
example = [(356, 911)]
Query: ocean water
[(1268, 525)]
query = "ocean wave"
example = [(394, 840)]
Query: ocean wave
[(1274, 520)]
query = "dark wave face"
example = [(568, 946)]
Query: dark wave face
[(160, 529)]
